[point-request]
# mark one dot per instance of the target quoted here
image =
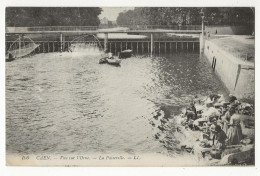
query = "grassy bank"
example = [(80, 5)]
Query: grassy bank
[(240, 46)]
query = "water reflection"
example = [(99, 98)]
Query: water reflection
[(68, 103)]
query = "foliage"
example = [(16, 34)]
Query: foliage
[(186, 16), (52, 16)]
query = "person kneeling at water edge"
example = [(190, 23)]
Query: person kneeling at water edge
[(110, 56), (191, 114), (219, 141)]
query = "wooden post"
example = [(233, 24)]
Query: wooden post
[(142, 47), (182, 46), (151, 44), (193, 46), (159, 47), (126, 45), (105, 42), (170, 46), (20, 44), (165, 47), (137, 47), (176, 46), (187, 46), (110, 47), (148, 47), (238, 73), (38, 48), (131, 45), (60, 42), (48, 47), (64, 41), (115, 47), (121, 47), (43, 47)]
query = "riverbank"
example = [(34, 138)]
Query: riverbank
[(232, 58), (196, 134), (240, 46)]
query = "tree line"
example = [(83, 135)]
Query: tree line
[(187, 16), (52, 16)]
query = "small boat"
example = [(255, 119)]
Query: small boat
[(114, 61), (125, 53), (9, 58), (103, 60)]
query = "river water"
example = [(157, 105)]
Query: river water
[(68, 103)]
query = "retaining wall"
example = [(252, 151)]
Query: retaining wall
[(229, 30), (237, 76)]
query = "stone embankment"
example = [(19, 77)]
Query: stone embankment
[(232, 58)]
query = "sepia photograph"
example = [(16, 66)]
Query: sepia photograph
[(129, 86)]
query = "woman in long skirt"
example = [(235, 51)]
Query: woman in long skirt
[(226, 119), (234, 132), (225, 122)]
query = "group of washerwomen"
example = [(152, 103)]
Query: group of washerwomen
[(219, 120)]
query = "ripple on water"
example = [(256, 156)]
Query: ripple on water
[(70, 103)]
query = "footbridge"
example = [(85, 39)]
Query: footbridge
[(63, 31)]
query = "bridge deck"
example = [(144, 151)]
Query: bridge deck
[(107, 31)]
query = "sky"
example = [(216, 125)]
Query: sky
[(112, 12)]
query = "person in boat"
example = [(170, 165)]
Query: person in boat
[(110, 56), (10, 56), (119, 55)]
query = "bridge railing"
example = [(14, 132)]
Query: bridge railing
[(63, 28), (94, 28), (169, 27)]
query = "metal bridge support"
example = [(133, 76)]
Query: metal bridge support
[(202, 36), (105, 42), (61, 43), (20, 44), (151, 44)]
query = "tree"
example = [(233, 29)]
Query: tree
[(187, 16), (52, 16)]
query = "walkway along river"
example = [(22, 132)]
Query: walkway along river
[(68, 103)]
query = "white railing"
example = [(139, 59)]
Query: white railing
[(94, 28)]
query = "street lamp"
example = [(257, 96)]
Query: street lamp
[(202, 21), (202, 31)]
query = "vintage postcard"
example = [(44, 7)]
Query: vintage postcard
[(130, 86)]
